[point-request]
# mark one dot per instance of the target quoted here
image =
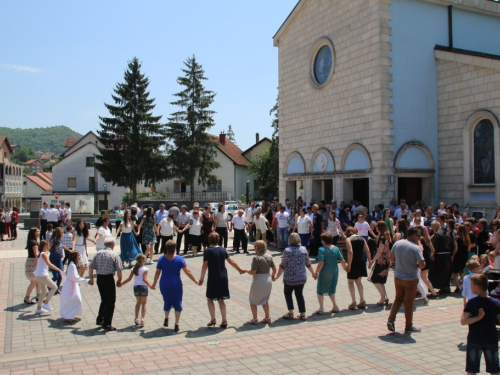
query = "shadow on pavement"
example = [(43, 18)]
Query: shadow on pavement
[(462, 347), (205, 331), (398, 338)]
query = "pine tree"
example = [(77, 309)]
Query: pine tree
[(132, 138), (230, 135), (191, 154)]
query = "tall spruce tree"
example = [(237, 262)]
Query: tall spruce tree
[(132, 138), (192, 151), (230, 134)]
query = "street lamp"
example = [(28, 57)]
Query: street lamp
[(248, 192), (105, 195)]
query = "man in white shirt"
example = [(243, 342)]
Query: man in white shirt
[(403, 209), (159, 216), (183, 220), (288, 206), (261, 225), (249, 218), (239, 224), (67, 213), (281, 219), (53, 216), (42, 220)]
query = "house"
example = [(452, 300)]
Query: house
[(78, 182), (39, 153), (34, 165), (11, 177), (391, 99), (34, 187), (232, 176), (48, 157), (258, 148), (70, 141)]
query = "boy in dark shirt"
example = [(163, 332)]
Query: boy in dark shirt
[(481, 314)]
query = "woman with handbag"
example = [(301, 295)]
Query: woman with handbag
[(214, 260)]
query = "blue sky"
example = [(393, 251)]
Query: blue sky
[(60, 60)]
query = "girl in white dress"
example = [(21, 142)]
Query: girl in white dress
[(71, 298), (80, 244), (334, 227)]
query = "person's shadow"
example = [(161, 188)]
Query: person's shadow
[(398, 338), (462, 347)]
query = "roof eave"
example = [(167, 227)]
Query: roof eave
[(287, 22)]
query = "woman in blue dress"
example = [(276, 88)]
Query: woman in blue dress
[(169, 267), (128, 244), (327, 271)]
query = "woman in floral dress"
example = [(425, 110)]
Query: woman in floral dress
[(148, 235), (380, 269)]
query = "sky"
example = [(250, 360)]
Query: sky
[(60, 60)]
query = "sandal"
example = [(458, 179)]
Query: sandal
[(319, 312), (136, 321), (335, 310), (288, 316), (302, 317), (142, 322), (28, 301), (362, 305), (266, 320), (352, 306), (254, 321)]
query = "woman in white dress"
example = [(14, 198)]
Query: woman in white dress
[(303, 225), (80, 244), (71, 298)]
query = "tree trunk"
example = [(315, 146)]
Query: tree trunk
[(191, 193), (134, 194)]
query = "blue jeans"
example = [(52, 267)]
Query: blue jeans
[(473, 360), (56, 276), (283, 233)]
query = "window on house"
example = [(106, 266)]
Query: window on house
[(216, 187), (90, 161), (484, 153), (91, 183), (71, 182)]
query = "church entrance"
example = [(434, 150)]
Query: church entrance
[(322, 190), (410, 188), (357, 189)]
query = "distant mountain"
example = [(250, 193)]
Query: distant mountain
[(49, 139)]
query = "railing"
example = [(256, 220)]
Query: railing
[(215, 196)]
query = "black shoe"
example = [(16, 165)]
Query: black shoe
[(237, 251), (165, 322), (246, 252), (445, 291), (457, 290), (176, 329), (185, 252), (109, 328), (156, 252), (413, 329), (390, 326), (99, 322), (433, 296)]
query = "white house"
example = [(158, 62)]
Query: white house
[(78, 182), (34, 187)]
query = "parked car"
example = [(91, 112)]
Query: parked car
[(214, 206)]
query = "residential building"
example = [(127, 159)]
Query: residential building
[(35, 165), (34, 187), (78, 182), (391, 99), (11, 177), (48, 157)]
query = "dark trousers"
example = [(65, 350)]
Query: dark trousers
[(251, 233), (222, 231), (405, 292), (117, 225), (54, 224), (240, 236), (440, 273), (107, 290), (43, 228), (163, 240), (316, 244), (13, 229), (179, 241), (289, 289)]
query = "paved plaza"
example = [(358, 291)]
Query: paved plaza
[(349, 342)]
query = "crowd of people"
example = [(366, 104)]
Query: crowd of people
[(427, 249)]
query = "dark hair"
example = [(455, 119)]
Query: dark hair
[(43, 243), (483, 221), (82, 232), (149, 213), (414, 231), (103, 212), (480, 281), (170, 247), (213, 238), (72, 257), (342, 213), (57, 235), (50, 227), (326, 238), (403, 227), (138, 260), (31, 236), (350, 231), (127, 217), (171, 216)]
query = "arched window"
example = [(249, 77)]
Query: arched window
[(484, 153)]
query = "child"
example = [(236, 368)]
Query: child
[(67, 241), (48, 234), (141, 285), (42, 276), (481, 314), (474, 268), (484, 262), (442, 208)]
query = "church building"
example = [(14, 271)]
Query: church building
[(382, 99)]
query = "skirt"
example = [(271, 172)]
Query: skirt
[(129, 247), (83, 255), (260, 289), (29, 268), (304, 239)]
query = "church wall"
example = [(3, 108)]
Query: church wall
[(476, 31)]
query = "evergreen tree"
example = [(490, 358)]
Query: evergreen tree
[(230, 135), (265, 167), (132, 137), (191, 154)]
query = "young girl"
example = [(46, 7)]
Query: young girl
[(71, 299), (141, 285), (128, 244), (484, 262), (334, 227), (80, 244), (57, 255), (42, 277)]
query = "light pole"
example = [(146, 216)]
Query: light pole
[(248, 192), (105, 196)]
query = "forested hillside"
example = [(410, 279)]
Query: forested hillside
[(49, 139)]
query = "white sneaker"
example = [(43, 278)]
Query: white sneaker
[(40, 311), (47, 307)]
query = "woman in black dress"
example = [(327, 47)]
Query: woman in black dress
[(356, 268), (208, 226), (30, 266), (214, 259), (460, 256), (428, 253), (380, 270)]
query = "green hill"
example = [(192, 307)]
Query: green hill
[(50, 139)]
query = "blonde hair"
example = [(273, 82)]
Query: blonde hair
[(294, 240), (260, 245)]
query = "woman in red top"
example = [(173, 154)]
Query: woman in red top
[(13, 225)]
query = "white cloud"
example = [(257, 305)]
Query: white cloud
[(21, 69)]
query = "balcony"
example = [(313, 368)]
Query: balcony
[(215, 196)]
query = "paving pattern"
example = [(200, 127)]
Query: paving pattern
[(349, 342)]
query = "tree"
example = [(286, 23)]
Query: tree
[(132, 138), (23, 154), (230, 135), (192, 151), (265, 167)]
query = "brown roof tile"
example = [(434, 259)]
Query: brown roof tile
[(37, 179), (70, 141), (3, 139), (232, 151), (47, 156), (29, 162)]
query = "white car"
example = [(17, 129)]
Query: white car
[(214, 206)]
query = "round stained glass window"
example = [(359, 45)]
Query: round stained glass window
[(323, 64)]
